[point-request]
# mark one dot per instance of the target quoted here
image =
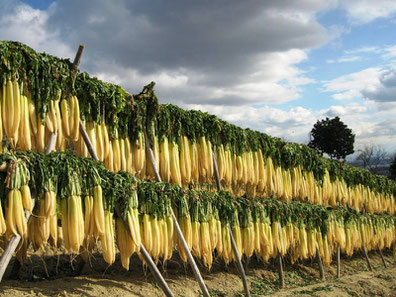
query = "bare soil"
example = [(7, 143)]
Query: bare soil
[(58, 277)]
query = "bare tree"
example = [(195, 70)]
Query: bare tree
[(372, 157)]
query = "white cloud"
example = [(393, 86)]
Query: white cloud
[(366, 11), (340, 110), (390, 52), (363, 49), (344, 59), (293, 124), (274, 79), (351, 85), (28, 25), (385, 89), (349, 59), (374, 119)]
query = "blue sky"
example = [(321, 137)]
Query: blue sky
[(274, 66)]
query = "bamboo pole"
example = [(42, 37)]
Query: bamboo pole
[(190, 257), (234, 247), (87, 141), (280, 264), (319, 259), (76, 62), (280, 271), (77, 59), (382, 257), (338, 261), (147, 258), (11, 247), (153, 268), (150, 263), (367, 258), (15, 239), (51, 143)]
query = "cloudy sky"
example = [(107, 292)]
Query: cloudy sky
[(276, 66)]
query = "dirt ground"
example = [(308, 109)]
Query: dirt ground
[(57, 278)]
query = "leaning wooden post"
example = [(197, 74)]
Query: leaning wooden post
[(319, 259), (87, 141), (83, 132), (233, 244), (338, 261), (190, 258), (367, 258), (153, 268), (14, 240), (146, 256), (280, 271), (11, 247), (157, 274), (280, 264), (382, 257), (51, 143), (52, 139)]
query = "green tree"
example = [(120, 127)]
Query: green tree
[(333, 137), (392, 168)]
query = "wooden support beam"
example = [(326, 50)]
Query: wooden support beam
[(233, 244), (280, 271), (157, 274), (319, 259), (87, 142), (11, 247), (190, 257), (338, 261), (239, 264), (150, 263), (76, 62), (216, 172), (51, 143), (367, 258), (382, 257)]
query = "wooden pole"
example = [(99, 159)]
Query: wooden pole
[(280, 271), (87, 142), (367, 258), (319, 259), (190, 258), (216, 172), (51, 143), (149, 261), (11, 247), (157, 274), (153, 268), (233, 244), (76, 62), (239, 264), (338, 261), (382, 257), (15, 239)]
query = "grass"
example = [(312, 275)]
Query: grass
[(215, 293), (315, 290), (384, 277)]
